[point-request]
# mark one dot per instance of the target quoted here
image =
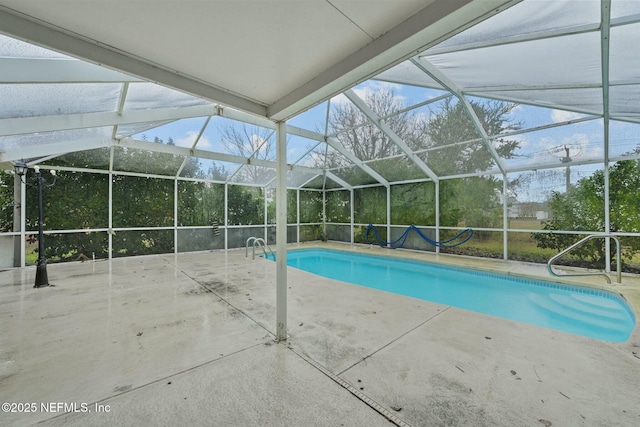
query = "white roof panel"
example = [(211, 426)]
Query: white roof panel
[(567, 60), (584, 100), (32, 100), (407, 73), (624, 54), (528, 19)]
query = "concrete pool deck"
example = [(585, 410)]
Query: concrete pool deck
[(188, 338)]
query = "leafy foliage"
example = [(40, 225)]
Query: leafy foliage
[(361, 137), (450, 125), (245, 205), (338, 206), (582, 209), (142, 202), (81, 201), (473, 201), (310, 206), (77, 201), (413, 204), (6, 201), (292, 206), (447, 140), (200, 204), (370, 205)]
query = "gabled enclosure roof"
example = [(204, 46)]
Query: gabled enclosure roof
[(90, 75), (272, 58)]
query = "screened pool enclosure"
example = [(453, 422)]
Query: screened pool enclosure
[(520, 121)]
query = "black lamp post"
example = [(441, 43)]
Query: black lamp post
[(42, 279)]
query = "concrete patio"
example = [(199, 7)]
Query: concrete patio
[(188, 339)]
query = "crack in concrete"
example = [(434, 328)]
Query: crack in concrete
[(394, 340)]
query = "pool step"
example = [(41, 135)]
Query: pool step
[(588, 304), (602, 318)]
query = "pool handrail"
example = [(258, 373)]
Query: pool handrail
[(246, 248), (579, 243), (257, 241)]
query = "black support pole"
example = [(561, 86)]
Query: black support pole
[(42, 279)]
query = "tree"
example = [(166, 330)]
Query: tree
[(310, 206), (370, 205), (450, 125), (446, 140), (245, 205), (337, 206), (80, 200), (6, 202), (200, 204), (77, 201), (420, 196), (361, 137), (250, 142), (582, 209)]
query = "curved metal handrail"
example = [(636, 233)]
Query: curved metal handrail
[(257, 241), (260, 242), (246, 248), (579, 243)]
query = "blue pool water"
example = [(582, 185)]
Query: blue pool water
[(589, 312)]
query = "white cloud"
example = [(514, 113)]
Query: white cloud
[(204, 143), (562, 116), (188, 140)]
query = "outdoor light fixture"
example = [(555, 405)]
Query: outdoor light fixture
[(42, 279), (20, 168)]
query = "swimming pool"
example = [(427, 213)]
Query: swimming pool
[(579, 310)]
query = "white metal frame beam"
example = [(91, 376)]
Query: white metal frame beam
[(518, 100), (487, 93), (337, 145), (281, 233), (54, 149), (438, 76), (380, 124), (605, 17), (39, 124), (195, 142), (524, 87), (47, 70), (396, 113), (204, 154), (332, 176), (123, 97)]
